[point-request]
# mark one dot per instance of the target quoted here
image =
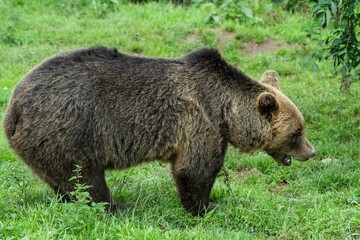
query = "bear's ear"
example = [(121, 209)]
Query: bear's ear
[(267, 105), (271, 78)]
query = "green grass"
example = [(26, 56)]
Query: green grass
[(256, 198)]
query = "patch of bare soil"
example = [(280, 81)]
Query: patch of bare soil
[(270, 45), (244, 173), (282, 186), (251, 48), (223, 36), (193, 37)]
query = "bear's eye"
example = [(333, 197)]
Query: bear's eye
[(298, 133)]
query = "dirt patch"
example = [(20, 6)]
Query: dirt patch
[(223, 36), (329, 160), (244, 173), (278, 188), (270, 45), (193, 37), (251, 48)]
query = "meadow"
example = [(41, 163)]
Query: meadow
[(257, 199)]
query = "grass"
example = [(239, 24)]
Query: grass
[(257, 199)]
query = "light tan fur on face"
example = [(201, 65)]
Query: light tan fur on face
[(287, 135)]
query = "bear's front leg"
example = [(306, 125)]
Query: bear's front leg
[(194, 177), (194, 192)]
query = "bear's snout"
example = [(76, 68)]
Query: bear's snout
[(304, 152)]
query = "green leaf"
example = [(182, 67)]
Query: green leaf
[(248, 13), (333, 8), (315, 67), (328, 17), (318, 55), (320, 43), (323, 22), (343, 71)]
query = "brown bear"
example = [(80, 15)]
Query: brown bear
[(101, 109)]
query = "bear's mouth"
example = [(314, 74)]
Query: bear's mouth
[(281, 158), (286, 160)]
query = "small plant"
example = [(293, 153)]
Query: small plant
[(8, 37), (75, 218), (72, 7), (103, 7), (296, 5), (81, 193), (236, 11)]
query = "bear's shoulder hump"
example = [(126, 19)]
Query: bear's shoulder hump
[(204, 54)]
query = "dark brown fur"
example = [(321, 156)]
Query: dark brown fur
[(101, 109)]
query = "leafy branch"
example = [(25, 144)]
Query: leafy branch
[(342, 44)]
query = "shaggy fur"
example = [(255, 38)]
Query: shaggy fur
[(101, 109)]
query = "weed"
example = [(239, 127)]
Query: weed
[(102, 7), (81, 194)]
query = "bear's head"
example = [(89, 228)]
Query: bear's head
[(286, 137)]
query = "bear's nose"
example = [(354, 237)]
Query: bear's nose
[(312, 151)]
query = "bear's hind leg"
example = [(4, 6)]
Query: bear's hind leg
[(60, 184), (63, 183), (94, 177)]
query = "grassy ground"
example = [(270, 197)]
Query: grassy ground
[(256, 198)]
